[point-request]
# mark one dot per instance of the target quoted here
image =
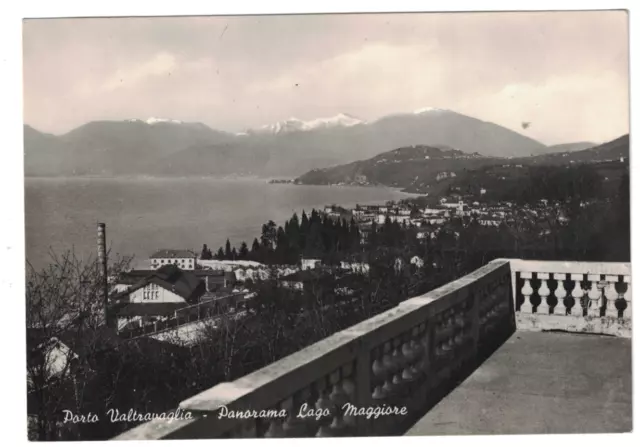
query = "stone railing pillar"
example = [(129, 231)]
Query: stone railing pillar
[(627, 296), (595, 292), (543, 292), (612, 296), (560, 294), (363, 398), (577, 294), (527, 291)]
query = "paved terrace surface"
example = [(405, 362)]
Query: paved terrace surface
[(541, 382)]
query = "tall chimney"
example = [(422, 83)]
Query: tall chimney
[(102, 269)]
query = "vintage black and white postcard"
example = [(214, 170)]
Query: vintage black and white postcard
[(252, 226)]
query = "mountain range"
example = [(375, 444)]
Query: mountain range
[(165, 147), (423, 168)]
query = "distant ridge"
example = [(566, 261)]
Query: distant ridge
[(169, 147), (421, 168)]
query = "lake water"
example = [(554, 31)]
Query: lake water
[(143, 215)]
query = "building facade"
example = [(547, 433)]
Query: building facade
[(185, 259)]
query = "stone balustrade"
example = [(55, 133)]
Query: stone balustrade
[(589, 297), (397, 364), (403, 361)]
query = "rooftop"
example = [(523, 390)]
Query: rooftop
[(170, 253), (182, 282)]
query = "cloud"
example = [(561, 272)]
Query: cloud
[(367, 79), (566, 72), (162, 64), (562, 108)]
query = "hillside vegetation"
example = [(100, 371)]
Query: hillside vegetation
[(435, 169)]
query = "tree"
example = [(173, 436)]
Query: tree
[(220, 254), (268, 236), (256, 252), (65, 307), (205, 253), (227, 250), (244, 251)]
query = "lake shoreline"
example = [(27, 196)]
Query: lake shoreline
[(143, 216)]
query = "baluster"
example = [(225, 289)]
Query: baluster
[(527, 291), (611, 294), (338, 398), (416, 353), (425, 348), (293, 426), (275, 429), (398, 363), (380, 373), (560, 293), (324, 403), (408, 354), (627, 296), (248, 429), (577, 293), (594, 296), (543, 292), (387, 362), (349, 389)]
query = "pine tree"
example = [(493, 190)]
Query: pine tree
[(227, 250), (244, 251), (255, 247), (268, 236), (304, 231), (220, 254), (293, 238), (205, 253)]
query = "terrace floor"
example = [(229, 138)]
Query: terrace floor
[(541, 382)]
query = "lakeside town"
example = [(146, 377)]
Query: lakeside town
[(182, 286)]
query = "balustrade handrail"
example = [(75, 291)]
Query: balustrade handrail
[(411, 352), (570, 267), (593, 297), (425, 330)]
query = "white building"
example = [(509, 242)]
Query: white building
[(158, 295), (489, 222), (357, 267), (228, 266), (309, 264), (185, 259), (400, 219)]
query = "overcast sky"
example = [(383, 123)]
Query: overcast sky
[(566, 73)]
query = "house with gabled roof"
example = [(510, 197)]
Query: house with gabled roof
[(157, 295)]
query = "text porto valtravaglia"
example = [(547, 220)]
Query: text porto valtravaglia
[(131, 416), (317, 413)]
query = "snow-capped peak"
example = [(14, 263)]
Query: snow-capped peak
[(153, 120), (427, 109), (295, 125)]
